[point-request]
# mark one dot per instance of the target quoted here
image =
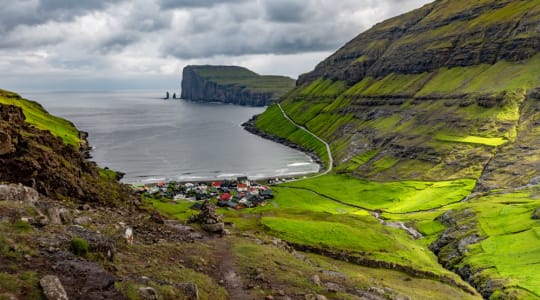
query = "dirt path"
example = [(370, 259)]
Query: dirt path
[(226, 269), (328, 150)]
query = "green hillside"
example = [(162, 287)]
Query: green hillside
[(432, 118)]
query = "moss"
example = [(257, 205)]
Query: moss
[(79, 246)]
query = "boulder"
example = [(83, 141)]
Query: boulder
[(53, 288), (315, 279), (190, 290), (536, 214), (217, 227), (147, 293), (19, 193)]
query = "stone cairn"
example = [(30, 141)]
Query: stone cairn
[(208, 218)]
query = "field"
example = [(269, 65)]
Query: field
[(393, 197)]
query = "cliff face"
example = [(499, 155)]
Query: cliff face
[(229, 84), (416, 94), (444, 33), (448, 91)]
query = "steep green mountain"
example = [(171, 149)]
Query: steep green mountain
[(447, 93), (232, 84)]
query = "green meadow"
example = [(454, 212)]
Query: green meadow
[(394, 197)]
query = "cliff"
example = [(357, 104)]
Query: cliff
[(49, 154), (231, 84), (449, 91)]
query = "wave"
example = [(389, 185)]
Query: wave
[(298, 164)]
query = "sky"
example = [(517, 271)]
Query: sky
[(54, 45)]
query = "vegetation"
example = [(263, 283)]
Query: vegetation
[(241, 76), (36, 115), (275, 123), (79, 246)]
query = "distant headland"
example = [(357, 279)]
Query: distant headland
[(232, 84)]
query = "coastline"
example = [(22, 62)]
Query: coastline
[(252, 128)]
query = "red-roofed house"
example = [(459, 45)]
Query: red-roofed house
[(225, 197), (216, 184), (242, 187)]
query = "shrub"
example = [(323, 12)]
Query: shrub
[(79, 246)]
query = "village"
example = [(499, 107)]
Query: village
[(233, 194)]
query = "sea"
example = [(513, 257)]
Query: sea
[(151, 139)]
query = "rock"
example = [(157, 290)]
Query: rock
[(315, 279), (96, 241), (8, 296), (65, 216), (6, 146), (40, 221), (147, 293), (18, 193), (332, 287), (208, 218), (536, 214), (54, 215), (82, 220), (190, 290), (216, 228), (53, 288), (315, 297), (333, 274)]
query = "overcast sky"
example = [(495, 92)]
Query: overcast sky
[(144, 44)]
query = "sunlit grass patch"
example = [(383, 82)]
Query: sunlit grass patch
[(493, 141), (397, 197)]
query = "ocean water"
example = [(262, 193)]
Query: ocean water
[(151, 139)]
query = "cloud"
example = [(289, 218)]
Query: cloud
[(36, 12), (185, 4), (119, 39)]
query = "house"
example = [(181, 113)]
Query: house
[(266, 193), (243, 180), (216, 184), (253, 191), (225, 197), (242, 187), (233, 205)]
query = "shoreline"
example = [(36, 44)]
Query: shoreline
[(250, 126)]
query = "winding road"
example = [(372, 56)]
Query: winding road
[(328, 150)]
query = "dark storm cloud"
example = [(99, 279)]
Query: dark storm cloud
[(117, 43), (288, 11), (35, 12), (172, 4)]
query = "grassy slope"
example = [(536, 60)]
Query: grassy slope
[(244, 77), (40, 118), (511, 246)]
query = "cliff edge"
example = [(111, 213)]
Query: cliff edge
[(232, 84)]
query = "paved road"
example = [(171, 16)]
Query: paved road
[(328, 150)]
